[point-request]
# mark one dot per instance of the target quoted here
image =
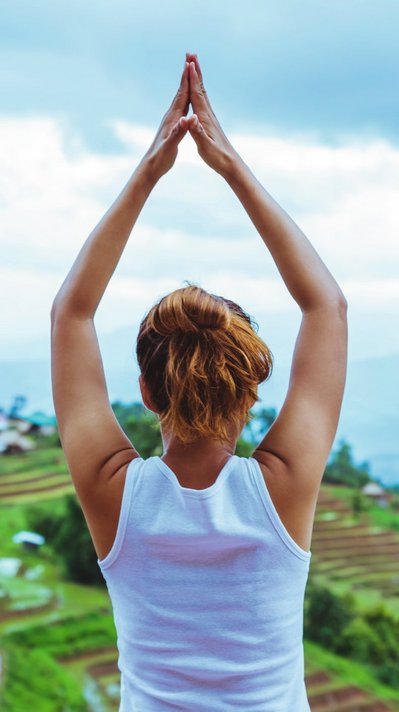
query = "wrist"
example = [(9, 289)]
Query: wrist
[(147, 171), (233, 168)]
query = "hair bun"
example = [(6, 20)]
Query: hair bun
[(191, 310)]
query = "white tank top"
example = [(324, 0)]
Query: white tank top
[(207, 588)]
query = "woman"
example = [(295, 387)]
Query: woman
[(205, 554)]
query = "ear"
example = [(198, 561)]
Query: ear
[(145, 394)]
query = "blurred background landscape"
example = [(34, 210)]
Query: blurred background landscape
[(306, 94)]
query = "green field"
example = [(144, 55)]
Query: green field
[(52, 629)]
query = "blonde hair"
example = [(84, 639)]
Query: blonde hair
[(202, 360)]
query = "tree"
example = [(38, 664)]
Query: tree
[(341, 468), (18, 404), (73, 542)]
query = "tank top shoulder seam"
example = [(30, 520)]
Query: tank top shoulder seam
[(113, 553), (271, 510)]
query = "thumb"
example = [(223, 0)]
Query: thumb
[(196, 128), (179, 129)]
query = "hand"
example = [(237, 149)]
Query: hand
[(213, 145), (162, 153)]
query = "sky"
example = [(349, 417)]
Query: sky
[(305, 91)]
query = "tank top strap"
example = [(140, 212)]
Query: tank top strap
[(273, 515)]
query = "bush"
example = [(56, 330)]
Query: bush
[(360, 641), (359, 503), (386, 627), (371, 638), (326, 615)]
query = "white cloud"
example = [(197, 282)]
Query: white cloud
[(53, 191)]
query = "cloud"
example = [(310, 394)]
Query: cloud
[(54, 189), (328, 67)]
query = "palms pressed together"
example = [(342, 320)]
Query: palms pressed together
[(213, 145)]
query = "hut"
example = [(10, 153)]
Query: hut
[(29, 540), (376, 493), (13, 443)]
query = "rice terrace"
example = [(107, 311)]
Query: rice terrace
[(57, 636)]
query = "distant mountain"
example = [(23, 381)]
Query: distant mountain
[(369, 416)]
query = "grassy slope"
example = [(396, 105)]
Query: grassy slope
[(44, 458), (378, 520), (378, 516)]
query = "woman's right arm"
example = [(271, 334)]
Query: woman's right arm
[(300, 439)]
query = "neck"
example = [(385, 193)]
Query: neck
[(201, 449)]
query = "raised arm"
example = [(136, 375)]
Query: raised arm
[(302, 435), (296, 448), (95, 446)]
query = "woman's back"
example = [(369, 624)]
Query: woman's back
[(207, 592)]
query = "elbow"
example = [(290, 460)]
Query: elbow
[(66, 308), (342, 305), (53, 311), (338, 302), (60, 312), (57, 308), (333, 303)]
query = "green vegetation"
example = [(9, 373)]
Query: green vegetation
[(371, 637), (45, 459), (70, 636), (342, 469), (347, 671), (56, 618), (326, 615), (70, 539), (28, 672), (385, 517)]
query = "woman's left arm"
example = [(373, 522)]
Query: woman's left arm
[(95, 446)]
